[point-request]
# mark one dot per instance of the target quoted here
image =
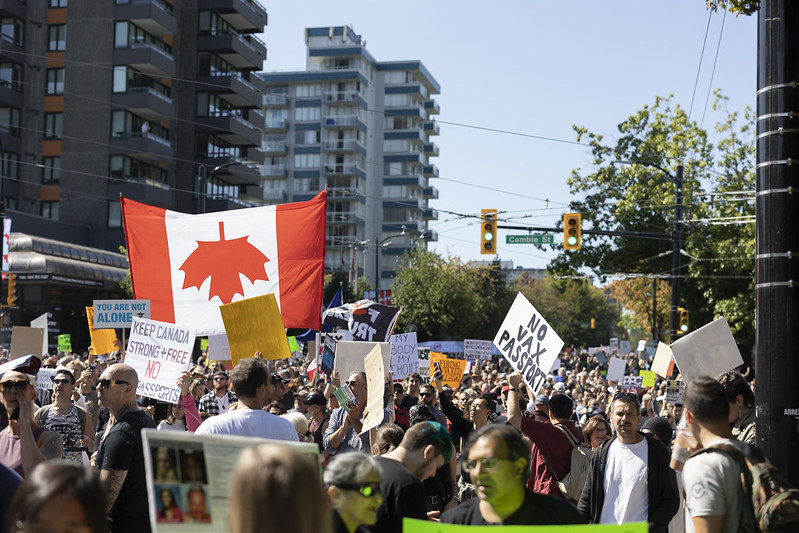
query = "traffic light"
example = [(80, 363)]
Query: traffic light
[(12, 290), (488, 231), (572, 231), (593, 323), (682, 315)]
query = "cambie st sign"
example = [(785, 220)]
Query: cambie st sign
[(530, 239)]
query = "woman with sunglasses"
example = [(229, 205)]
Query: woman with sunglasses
[(353, 486), (23, 444), (73, 423)]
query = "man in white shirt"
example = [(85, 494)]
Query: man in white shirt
[(714, 497), (254, 385), (630, 479)]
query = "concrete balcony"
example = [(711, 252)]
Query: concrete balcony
[(430, 171), (14, 8), (148, 58), (430, 193), (342, 145), (232, 129), (154, 16), (343, 169), (432, 107), (430, 214), (255, 117), (142, 190), (275, 147), (342, 193), (432, 128), (340, 97), (341, 121), (276, 125), (145, 102), (232, 87), (146, 147), (273, 171), (431, 150), (241, 51), (245, 16), (276, 100), (215, 204), (344, 217), (254, 154)]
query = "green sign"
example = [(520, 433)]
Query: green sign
[(203, 344), (529, 239), (65, 343), (293, 345), (410, 525)]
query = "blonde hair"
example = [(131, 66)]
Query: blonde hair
[(266, 484)]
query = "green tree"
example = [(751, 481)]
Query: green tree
[(739, 7), (635, 297), (125, 283)]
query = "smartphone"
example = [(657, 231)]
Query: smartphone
[(437, 366)]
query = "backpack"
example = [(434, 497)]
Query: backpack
[(774, 501)]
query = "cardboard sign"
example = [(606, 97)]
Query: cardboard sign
[(647, 378), (641, 346), (624, 347), (708, 351), (25, 341), (294, 346), (103, 340), (404, 355), (375, 378), (159, 352), (424, 363), (616, 368), (41, 322), (218, 348), (614, 343), (329, 354), (112, 314), (476, 349), (660, 364), (674, 391), (528, 342), (255, 325), (350, 356), (44, 379), (204, 344), (65, 343), (451, 369), (631, 382)]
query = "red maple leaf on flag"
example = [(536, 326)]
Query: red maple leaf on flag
[(223, 261)]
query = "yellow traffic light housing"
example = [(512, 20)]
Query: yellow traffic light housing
[(572, 231), (682, 316), (593, 323), (488, 231), (12, 290)]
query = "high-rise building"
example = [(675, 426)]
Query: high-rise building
[(150, 99), (362, 128)]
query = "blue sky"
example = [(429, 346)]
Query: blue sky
[(533, 68)]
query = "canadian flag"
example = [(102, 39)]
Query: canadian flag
[(188, 265)]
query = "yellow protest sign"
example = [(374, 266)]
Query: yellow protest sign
[(254, 325), (647, 378), (103, 340), (451, 369), (425, 526)]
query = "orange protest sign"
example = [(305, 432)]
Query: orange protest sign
[(451, 369), (103, 340)]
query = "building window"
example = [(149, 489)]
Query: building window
[(11, 30), (126, 168), (51, 173), (53, 125), (11, 76), (57, 41), (306, 161), (58, 3), (11, 166), (211, 105), (9, 120), (55, 81), (50, 210), (114, 215), (120, 84)]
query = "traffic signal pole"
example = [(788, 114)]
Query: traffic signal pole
[(675, 254)]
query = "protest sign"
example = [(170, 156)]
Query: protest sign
[(202, 463), (44, 379), (255, 325), (65, 343), (25, 341), (614, 344), (365, 319), (218, 348), (660, 364), (648, 378), (527, 341), (674, 390), (555, 366), (708, 351), (350, 354), (294, 346), (375, 378), (641, 345), (404, 355), (204, 344), (328, 354), (451, 369), (616, 368), (601, 358), (631, 382), (624, 347), (159, 352), (410, 525), (650, 352), (103, 340), (41, 322), (424, 363), (112, 314), (477, 349)]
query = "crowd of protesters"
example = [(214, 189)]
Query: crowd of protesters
[(487, 451)]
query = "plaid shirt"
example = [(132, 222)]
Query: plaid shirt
[(208, 402)]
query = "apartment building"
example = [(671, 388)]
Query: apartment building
[(362, 128)]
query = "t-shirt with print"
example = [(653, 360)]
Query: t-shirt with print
[(713, 486), (70, 429)]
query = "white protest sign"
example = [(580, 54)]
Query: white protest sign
[(111, 314), (616, 369), (350, 354), (614, 343), (404, 355), (674, 391), (476, 349), (44, 378), (555, 366), (624, 347), (41, 322), (708, 351), (527, 341), (641, 345), (631, 382), (373, 414), (218, 348), (661, 364), (159, 352)]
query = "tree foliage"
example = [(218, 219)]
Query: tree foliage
[(635, 296), (739, 7)]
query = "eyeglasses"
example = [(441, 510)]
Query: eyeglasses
[(105, 383), (63, 381), (489, 465), (18, 386), (350, 384), (367, 490)]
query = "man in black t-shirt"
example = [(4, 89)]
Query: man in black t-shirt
[(499, 464), (120, 459), (425, 447)]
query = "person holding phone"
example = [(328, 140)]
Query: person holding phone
[(23, 444)]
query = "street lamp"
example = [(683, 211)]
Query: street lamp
[(382, 244), (205, 175), (676, 241)]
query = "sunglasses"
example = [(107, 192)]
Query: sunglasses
[(18, 386), (425, 394), (366, 490), (632, 395), (350, 384), (63, 381), (105, 383), (489, 465), (220, 378)]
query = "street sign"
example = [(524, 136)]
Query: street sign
[(529, 239)]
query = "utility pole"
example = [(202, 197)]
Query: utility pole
[(777, 234), (676, 245)]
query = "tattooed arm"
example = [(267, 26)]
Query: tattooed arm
[(112, 481)]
